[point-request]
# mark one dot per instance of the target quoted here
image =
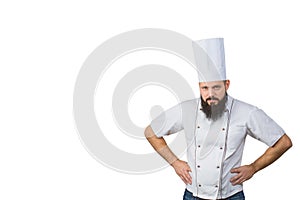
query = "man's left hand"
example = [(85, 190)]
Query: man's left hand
[(244, 173)]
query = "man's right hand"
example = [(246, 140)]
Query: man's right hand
[(182, 169), (159, 144)]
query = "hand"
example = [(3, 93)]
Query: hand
[(244, 173), (182, 169)]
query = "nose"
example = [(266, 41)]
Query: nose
[(211, 92)]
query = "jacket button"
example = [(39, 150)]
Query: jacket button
[(218, 167), (198, 166), (199, 185), (198, 126), (223, 129)]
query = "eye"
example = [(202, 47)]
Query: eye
[(217, 87)]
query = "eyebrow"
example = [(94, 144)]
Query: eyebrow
[(211, 86)]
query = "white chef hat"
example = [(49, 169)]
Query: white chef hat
[(210, 59)]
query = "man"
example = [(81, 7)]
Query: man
[(215, 127)]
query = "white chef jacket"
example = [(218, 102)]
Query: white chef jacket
[(214, 148)]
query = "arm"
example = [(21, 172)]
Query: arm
[(272, 154), (159, 144)]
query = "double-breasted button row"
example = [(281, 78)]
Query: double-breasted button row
[(218, 167), (221, 148), (223, 129), (199, 185)]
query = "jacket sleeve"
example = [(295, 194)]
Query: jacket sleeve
[(261, 127), (168, 122)]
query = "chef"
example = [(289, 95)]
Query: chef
[(215, 127)]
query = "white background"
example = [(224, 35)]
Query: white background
[(42, 48)]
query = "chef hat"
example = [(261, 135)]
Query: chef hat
[(210, 59)]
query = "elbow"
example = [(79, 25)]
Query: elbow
[(290, 143), (148, 132), (287, 142)]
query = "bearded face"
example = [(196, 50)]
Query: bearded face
[(214, 110), (214, 98)]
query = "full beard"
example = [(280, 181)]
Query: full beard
[(214, 111)]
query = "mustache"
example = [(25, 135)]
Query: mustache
[(212, 98)]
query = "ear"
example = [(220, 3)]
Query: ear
[(227, 83)]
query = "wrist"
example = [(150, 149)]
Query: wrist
[(174, 162), (255, 168)]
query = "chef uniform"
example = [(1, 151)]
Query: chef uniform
[(214, 147)]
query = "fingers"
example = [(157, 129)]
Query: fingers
[(238, 179), (185, 176), (183, 170), (243, 173), (187, 171), (235, 170)]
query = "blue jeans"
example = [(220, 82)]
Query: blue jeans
[(189, 196)]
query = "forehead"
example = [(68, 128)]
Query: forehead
[(211, 83)]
